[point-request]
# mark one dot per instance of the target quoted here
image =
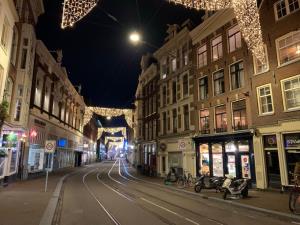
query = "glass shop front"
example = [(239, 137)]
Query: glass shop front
[(225, 154)]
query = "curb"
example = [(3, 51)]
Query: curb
[(258, 209), (51, 207)]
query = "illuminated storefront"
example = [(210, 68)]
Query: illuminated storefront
[(225, 154)]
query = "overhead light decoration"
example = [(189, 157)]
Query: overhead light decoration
[(112, 130), (75, 10), (107, 113), (247, 15)]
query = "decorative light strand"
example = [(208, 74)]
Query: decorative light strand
[(75, 10), (112, 130), (247, 15), (107, 112)]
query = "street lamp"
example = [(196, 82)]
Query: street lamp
[(135, 38)]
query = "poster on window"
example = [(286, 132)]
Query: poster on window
[(218, 165), (231, 165), (245, 167)]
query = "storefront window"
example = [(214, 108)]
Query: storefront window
[(35, 158), (243, 146), (292, 149), (13, 161), (204, 159), (2, 164), (217, 158), (230, 147), (231, 165), (175, 160)]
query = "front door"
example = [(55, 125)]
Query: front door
[(272, 167)]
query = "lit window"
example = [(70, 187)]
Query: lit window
[(239, 114), (288, 47), (217, 48), (285, 7), (219, 83), (8, 91), (234, 38), (202, 56), (221, 119), (265, 99), (164, 68), (185, 55), (237, 75), (174, 64), (204, 121), (261, 67), (291, 93), (38, 93)]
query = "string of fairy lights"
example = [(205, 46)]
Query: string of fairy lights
[(246, 12), (247, 15)]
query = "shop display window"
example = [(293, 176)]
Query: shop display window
[(231, 165), (2, 164), (292, 149), (204, 159), (217, 158), (230, 147), (36, 159), (13, 161), (243, 146)]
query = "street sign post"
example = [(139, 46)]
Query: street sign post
[(50, 147)]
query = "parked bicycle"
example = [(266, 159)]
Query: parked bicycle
[(186, 180), (294, 199)]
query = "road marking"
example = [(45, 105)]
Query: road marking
[(170, 211), (97, 200), (110, 177), (109, 187), (215, 221)]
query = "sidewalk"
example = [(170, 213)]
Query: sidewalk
[(24, 202), (267, 200)]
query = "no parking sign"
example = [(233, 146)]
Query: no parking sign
[(50, 146)]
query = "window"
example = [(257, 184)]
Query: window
[(288, 47), (203, 88), (285, 7), (47, 98), (221, 119), (174, 64), (219, 83), (5, 33), (261, 67), (291, 93), (202, 56), (217, 48), (174, 91), (164, 96), (204, 121), (186, 118), (164, 68), (174, 114), (234, 38), (239, 115), (8, 91), (13, 55), (185, 56), (237, 75), (55, 110), (265, 100), (185, 85), (24, 53), (18, 110), (164, 125), (38, 92)]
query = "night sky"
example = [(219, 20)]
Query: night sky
[(97, 53)]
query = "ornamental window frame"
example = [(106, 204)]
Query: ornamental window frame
[(259, 97), (286, 8), (297, 77), (285, 37)]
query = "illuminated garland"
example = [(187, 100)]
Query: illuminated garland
[(114, 139), (112, 130), (107, 112), (247, 16), (75, 10)]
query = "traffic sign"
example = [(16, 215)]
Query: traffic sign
[(50, 146), (181, 144)]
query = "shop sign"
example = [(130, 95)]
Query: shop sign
[(270, 141), (181, 144), (292, 140), (50, 146)]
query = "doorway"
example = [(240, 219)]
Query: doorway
[(272, 167)]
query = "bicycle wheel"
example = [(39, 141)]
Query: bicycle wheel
[(294, 201)]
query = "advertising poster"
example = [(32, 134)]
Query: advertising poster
[(245, 167)]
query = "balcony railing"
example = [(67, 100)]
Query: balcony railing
[(221, 129), (241, 127)]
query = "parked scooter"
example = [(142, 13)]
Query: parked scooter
[(207, 182), (235, 187), (172, 176)]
